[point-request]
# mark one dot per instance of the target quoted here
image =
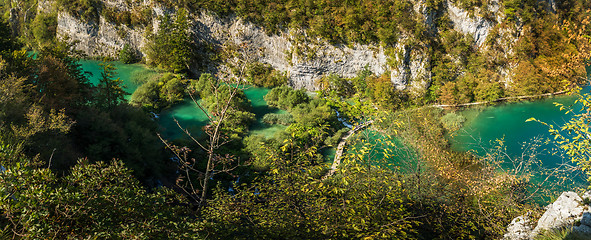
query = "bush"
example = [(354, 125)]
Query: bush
[(285, 97), (87, 10), (453, 121), (161, 93), (260, 74), (128, 55), (274, 118), (44, 28)]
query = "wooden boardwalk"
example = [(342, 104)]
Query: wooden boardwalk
[(500, 100), (341, 147)]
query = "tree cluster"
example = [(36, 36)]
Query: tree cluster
[(161, 93)]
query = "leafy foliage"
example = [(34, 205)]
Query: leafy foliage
[(453, 121), (128, 55), (110, 89), (87, 10), (274, 118), (172, 48), (285, 97), (94, 201), (44, 28), (336, 21), (158, 94), (264, 75), (290, 204), (7, 41)]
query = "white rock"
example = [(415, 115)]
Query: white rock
[(519, 229), (477, 26), (564, 211)]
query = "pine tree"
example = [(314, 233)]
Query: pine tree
[(110, 89)]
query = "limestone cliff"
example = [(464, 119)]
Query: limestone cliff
[(303, 59)]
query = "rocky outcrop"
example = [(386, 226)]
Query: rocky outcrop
[(303, 66), (519, 229), (304, 62), (302, 58), (99, 39), (474, 23), (568, 211)]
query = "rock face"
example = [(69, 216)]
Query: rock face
[(99, 39), (566, 211), (303, 59), (313, 61), (477, 26)]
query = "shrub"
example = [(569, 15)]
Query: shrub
[(260, 74), (452, 121), (44, 28), (274, 118), (285, 97), (128, 55)]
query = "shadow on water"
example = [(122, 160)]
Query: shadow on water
[(260, 108), (189, 117)]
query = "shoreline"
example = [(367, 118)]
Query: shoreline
[(498, 100)]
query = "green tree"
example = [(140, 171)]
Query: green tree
[(7, 42), (147, 95), (285, 97), (93, 201), (110, 89), (128, 55), (44, 28), (172, 48)]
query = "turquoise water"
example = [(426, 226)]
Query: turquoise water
[(133, 75), (188, 115), (260, 108), (507, 122), (382, 150)]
